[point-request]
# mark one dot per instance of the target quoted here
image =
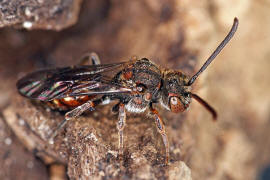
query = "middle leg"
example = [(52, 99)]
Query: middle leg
[(120, 126)]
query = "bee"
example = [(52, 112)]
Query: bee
[(136, 86)]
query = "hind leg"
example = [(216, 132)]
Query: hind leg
[(89, 59), (89, 105)]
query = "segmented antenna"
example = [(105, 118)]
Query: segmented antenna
[(216, 52), (206, 105)]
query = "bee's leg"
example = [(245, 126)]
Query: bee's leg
[(89, 105), (120, 126), (161, 130), (90, 59)]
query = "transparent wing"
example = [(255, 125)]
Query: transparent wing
[(57, 83)]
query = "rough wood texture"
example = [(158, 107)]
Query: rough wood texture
[(39, 14), (175, 34)]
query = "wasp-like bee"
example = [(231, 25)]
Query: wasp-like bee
[(136, 86)]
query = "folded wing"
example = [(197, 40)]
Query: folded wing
[(58, 83)]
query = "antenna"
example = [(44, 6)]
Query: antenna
[(206, 105), (216, 52)]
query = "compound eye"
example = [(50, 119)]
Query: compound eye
[(176, 105)]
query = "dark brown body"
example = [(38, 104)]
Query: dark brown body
[(147, 84), (135, 86)]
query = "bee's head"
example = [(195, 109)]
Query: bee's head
[(176, 93)]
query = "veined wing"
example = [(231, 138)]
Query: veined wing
[(58, 83)]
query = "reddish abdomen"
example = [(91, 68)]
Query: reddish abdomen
[(68, 102)]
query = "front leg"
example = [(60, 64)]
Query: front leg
[(161, 130), (120, 126)]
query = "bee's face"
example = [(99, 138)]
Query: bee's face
[(175, 93)]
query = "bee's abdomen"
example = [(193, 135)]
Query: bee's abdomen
[(68, 103)]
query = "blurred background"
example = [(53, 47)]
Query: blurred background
[(176, 34)]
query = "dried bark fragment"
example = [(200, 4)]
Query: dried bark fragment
[(39, 14)]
